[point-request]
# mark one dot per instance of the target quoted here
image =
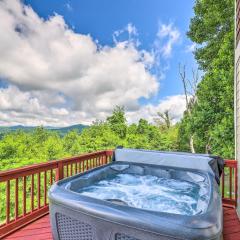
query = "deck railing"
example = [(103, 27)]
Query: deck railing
[(229, 183), (23, 191)]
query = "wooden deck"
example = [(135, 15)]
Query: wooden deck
[(231, 224), (40, 229)]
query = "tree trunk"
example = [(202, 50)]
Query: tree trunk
[(191, 143)]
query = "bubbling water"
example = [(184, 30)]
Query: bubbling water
[(148, 192)]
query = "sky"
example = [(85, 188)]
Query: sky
[(70, 62)]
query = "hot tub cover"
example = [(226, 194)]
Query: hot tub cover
[(204, 162)]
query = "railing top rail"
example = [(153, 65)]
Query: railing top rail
[(34, 168), (53, 163), (230, 163)]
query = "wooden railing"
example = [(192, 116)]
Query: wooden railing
[(229, 183), (23, 191)]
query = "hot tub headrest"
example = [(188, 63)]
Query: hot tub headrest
[(213, 165)]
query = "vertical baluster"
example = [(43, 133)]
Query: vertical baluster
[(45, 188), (51, 177), (71, 169), (223, 183), (24, 195), (16, 198), (230, 182), (104, 159), (81, 166), (67, 169), (39, 190), (76, 170), (91, 163), (32, 192), (60, 171), (8, 201), (235, 185), (86, 161)]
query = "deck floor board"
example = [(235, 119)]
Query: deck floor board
[(41, 230)]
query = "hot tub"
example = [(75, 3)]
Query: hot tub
[(141, 195)]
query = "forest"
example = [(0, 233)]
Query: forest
[(207, 125)]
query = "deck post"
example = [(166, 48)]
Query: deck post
[(237, 98), (59, 171)]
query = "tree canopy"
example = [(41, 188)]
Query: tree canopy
[(212, 118), (21, 148)]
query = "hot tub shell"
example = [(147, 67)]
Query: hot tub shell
[(74, 216)]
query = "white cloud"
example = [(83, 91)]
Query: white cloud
[(174, 104), (191, 47), (168, 35), (27, 109), (130, 33), (68, 6), (18, 107), (47, 55), (59, 77)]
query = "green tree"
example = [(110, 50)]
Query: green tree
[(212, 28), (71, 143), (117, 121)]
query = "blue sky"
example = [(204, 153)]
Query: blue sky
[(101, 18), (156, 27)]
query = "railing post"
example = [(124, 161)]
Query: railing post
[(230, 198), (108, 156), (59, 173), (104, 159), (236, 184)]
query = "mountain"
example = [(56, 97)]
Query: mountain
[(61, 130)]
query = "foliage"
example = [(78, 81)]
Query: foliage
[(212, 118), (118, 122), (21, 148)]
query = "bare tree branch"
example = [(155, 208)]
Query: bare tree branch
[(164, 119), (190, 89)]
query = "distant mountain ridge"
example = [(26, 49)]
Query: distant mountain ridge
[(61, 130)]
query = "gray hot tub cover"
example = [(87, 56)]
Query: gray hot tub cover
[(212, 164)]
